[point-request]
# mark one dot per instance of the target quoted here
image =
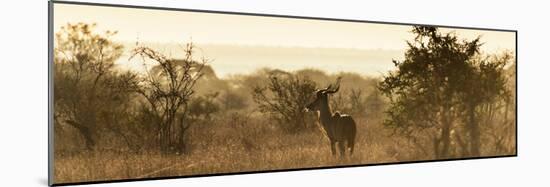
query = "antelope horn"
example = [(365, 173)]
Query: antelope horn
[(324, 89), (330, 90)]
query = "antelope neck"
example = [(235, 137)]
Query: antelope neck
[(324, 113)]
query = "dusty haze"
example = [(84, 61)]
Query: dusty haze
[(229, 40)]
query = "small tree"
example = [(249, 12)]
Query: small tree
[(83, 63), (168, 88), (203, 107), (232, 100), (285, 98)]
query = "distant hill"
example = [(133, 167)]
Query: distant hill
[(228, 59)]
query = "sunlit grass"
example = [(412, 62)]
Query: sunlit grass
[(228, 150)]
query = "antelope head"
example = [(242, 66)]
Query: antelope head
[(321, 97)]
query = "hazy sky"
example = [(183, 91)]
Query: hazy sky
[(207, 28)]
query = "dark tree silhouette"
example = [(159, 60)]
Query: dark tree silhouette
[(440, 81), (285, 98), (484, 92), (84, 82), (168, 88)]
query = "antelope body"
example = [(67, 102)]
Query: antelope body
[(339, 128)]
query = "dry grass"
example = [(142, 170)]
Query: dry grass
[(234, 148), (226, 149)]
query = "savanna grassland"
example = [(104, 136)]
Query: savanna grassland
[(228, 149), (446, 99)]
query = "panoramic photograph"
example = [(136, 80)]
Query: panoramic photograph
[(147, 93)]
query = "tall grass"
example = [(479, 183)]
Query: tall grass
[(232, 147), (238, 145)]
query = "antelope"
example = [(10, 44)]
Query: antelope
[(339, 128)]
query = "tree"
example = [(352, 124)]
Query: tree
[(203, 107), (167, 88), (234, 100), (425, 91), (482, 96), (83, 61), (285, 98)]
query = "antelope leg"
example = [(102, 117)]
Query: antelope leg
[(351, 145), (342, 148), (333, 147)]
